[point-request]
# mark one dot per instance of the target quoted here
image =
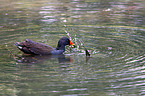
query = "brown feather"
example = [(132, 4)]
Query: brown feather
[(32, 47)]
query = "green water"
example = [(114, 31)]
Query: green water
[(113, 31)]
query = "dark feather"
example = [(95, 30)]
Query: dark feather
[(31, 47)]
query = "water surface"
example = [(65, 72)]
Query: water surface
[(112, 31)]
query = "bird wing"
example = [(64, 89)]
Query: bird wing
[(32, 47)]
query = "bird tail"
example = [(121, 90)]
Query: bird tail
[(17, 44)]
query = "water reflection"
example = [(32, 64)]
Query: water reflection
[(113, 32), (37, 59)]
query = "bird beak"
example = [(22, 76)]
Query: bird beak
[(71, 43)]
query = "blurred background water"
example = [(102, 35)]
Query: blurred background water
[(113, 31)]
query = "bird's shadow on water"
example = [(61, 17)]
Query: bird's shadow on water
[(29, 60)]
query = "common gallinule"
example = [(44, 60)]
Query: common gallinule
[(31, 47)]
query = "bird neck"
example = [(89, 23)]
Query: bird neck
[(60, 47)]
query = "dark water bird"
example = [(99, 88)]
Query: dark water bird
[(31, 47)]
